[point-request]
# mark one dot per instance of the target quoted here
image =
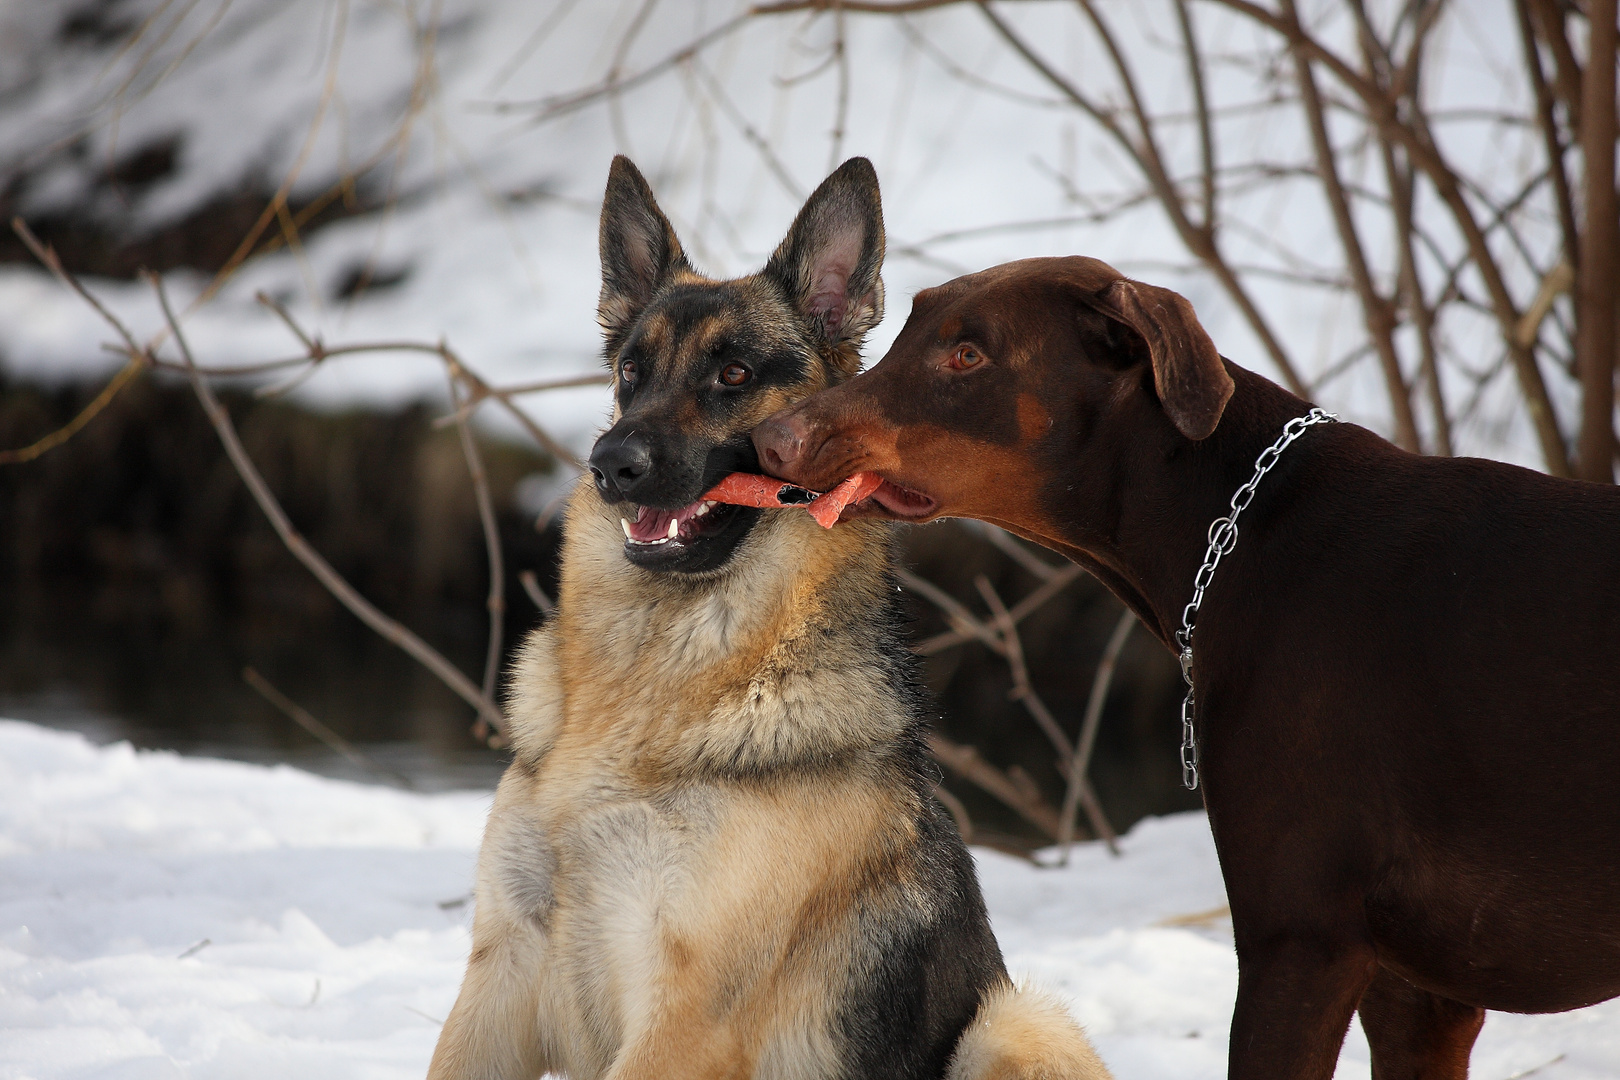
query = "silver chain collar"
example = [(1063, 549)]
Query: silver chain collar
[(1223, 534)]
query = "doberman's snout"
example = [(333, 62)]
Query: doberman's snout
[(620, 464), (780, 442)]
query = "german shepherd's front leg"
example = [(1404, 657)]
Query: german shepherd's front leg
[(493, 1031), (684, 1048)]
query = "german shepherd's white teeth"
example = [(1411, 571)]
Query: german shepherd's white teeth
[(704, 507), (626, 523), (674, 527)]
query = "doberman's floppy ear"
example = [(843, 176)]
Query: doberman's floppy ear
[(1191, 381), (639, 248), (829, 264)]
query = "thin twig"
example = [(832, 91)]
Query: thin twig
[(134, 366), (1376, 311), (362, 608), (1078, 779), (1024, 692), (1021, 690), (302, 717), (496, 602), (1419, 142), (1020, 610), (967, 763), (478, 390), (1003, 542), (841, 109), (956, 613), (531, 585), (550, 108), (1198, 238), (47, 256)]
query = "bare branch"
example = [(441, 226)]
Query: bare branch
[(1036, 599), (1376, 311), (841, 111), (302, 717), (961, 619), (1021, 690), (1003, 542), (531, 585), (868, 7), (1419, 142), (48, 256), (967, 763), (1079, 784), (550, 108), (1567, 75), (1206, 136), (1551, 136), (1398, 178), (362, 608), (1597, 285), (496, 601), (1198, 238), (1554, 283), (135, 365)]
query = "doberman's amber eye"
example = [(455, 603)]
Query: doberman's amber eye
[(964, 357), (735, 374), (628, 372)]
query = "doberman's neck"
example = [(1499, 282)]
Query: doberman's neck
[(1141, 523)]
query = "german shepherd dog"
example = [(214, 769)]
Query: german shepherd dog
[(717, 852)]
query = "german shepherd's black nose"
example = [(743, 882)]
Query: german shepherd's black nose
[(620, 464)]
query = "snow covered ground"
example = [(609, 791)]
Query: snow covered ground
[(163, 916)]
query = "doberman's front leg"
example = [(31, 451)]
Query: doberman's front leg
[(1414, 1034), (1295, 999)]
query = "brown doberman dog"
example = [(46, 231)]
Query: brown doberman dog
[(1407, 668)]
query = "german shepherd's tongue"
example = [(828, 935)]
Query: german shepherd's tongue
[(751, 489)]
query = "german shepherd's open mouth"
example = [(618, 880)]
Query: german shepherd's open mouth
[(699, 536), (697, 363)]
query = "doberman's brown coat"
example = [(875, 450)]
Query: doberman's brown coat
[(1408, 669)]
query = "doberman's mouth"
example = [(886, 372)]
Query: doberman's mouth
[(893, 500)]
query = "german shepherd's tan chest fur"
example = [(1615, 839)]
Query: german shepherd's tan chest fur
[(649, 845)]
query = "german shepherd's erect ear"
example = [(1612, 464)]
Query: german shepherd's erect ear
[(639, 249), (829, 264)]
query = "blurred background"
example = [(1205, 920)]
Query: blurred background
[(1401, 209)]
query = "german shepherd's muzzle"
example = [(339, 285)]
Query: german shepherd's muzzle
[(697, 362)]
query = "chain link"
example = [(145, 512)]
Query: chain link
[(1222, 535)]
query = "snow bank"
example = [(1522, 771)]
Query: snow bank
[(164, 917)]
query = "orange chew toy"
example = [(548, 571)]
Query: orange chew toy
[(749, 489)]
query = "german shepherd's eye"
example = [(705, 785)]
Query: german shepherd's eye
[(964, 357), (628, 372), (735, 374)]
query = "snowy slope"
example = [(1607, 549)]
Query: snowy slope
[(493, 217), (168, 917)]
